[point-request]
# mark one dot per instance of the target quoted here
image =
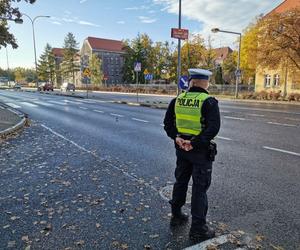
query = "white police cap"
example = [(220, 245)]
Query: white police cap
[(199, 74)]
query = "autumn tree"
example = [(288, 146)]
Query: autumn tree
[(249, 48), (192, 53), (279, 40), (229, 67), (70, 65), (95, 68), (7, 11)]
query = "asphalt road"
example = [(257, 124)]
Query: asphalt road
[(256, 175)]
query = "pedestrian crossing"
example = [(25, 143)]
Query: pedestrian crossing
[(36, 103)]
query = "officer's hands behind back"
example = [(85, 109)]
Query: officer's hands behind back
[(184, 144)]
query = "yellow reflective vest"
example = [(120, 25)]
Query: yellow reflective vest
[(188, 112)]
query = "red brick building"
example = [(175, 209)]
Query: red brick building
[(111, 54)]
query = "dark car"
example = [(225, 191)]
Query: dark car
[(45, 87)]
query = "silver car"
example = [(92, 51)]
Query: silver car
[(66, 86)]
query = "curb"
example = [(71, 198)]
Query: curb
[(58, 94), (140, 104), (18, 126)]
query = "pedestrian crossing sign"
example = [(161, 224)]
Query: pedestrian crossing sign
[(87, 72)]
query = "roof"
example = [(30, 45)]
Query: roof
[(285, 6), (58, 52), (105, 44), (222, 53)]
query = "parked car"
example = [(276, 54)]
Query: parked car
[(45, 87), (66, 86), (17, 86)]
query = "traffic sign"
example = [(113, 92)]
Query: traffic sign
[(146, 72), (87, 72), (238, 73), (182, 34), (137, 66), (148, 77), (184, 82)]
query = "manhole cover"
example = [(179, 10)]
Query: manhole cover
[(166, 193)]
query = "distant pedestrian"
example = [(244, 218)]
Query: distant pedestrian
[(192, 121)]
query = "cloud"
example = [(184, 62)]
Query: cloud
[(57, 20), (81, 22), (145, 19), (143, 7), (56, 23), (233, 15), (121, 22), (82, 1)]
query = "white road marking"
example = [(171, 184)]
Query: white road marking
[(83, 108), (139, 120), (60, 103), (13, 105), (29, 104), (87, 101), (257, 115), (282, 124), (130, 176), (215, 241), (98, 111), (224, 138), (292, 119), (223, 111), (282, 151), (61, 136), (67, 101), (235, 118), (43, 103), (116, 115), (260, 109)]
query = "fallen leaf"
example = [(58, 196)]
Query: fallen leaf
[(259, 238), (153, 236), (80, 243), (25, 238)]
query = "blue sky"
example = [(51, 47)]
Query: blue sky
[(122, 19)]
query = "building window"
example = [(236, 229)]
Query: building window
[(276, 80), (267, 81)]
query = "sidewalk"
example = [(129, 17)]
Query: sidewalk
[(10, 120)]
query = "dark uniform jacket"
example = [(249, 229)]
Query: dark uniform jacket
[(211, 122)]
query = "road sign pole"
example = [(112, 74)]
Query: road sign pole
[(137, 86), (179, 51)]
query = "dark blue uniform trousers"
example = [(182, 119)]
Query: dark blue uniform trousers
[(197, 165)]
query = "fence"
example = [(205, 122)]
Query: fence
[(171, 89)]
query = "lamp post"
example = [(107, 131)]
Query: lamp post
[(34, 44), (238, 72)]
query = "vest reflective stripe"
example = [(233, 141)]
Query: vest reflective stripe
[(188, 112)]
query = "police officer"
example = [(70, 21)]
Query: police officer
[(192, 121)]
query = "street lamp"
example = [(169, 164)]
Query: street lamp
[(34, 45), (238, 72)]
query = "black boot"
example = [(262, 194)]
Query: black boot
[(201, 234), (178, 218)]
